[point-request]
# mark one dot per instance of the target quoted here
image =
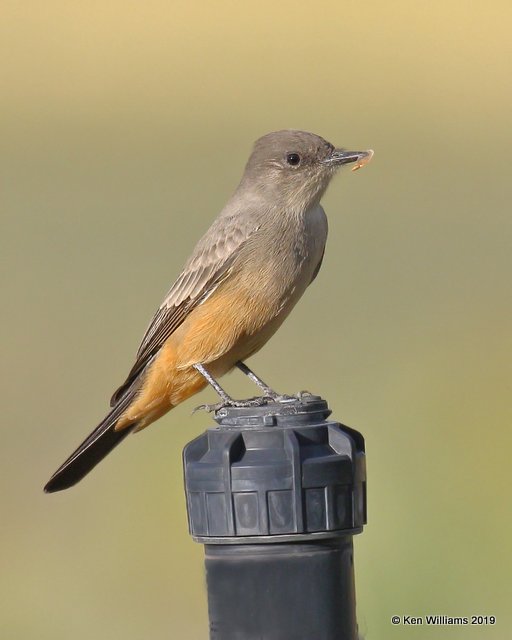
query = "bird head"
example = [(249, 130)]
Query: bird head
[(295, 167)]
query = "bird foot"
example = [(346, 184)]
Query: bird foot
[(285, 397), (258, 401), (251, 402)]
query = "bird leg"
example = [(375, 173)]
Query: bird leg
[(211, 380), (227, 400), (270, 393)]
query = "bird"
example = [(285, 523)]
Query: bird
[(240, 283)]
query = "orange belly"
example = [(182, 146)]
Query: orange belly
[(220, 332)]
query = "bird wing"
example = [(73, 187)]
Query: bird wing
[(208, 266)]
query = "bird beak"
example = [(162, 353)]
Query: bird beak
[(341, 156)]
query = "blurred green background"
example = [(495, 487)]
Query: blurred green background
[(125, 127)]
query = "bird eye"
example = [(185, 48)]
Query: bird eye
[(293, 159)]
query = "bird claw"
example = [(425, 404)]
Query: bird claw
[(224, 404), (258, 401), (204, 407), (251, 402)]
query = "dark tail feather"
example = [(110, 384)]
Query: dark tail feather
[(92, 450)]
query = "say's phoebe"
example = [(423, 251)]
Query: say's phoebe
[(241, 281)]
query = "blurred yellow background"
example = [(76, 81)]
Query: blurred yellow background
[(125, 127)]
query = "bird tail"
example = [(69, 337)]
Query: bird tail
[(93, 449)]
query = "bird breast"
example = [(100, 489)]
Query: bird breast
[(278, 263)]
